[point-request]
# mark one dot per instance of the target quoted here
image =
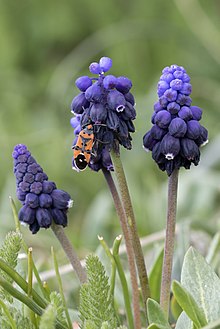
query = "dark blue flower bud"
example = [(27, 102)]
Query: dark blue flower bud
[(116, 100), (31, 160), (83, 83), (170, 95), (39, 177), (178, 75), (186, 78), (163, 118), (176, 84), (185, 113), (177, 128), (24, 186), (20, 194), (33, 168), (21, 167), (45, 200), (48, 187), (129, 112), (44, 217), (85, 118), (196, 112), (94, 68), (173, 107), (28, 178), (32, 200), (193, 129), (34, 228), (158, 107), (77, 130), (203, 137), (157, 155), (186, 89), (183, 100), (105, 64), (22, 158), (79, 103), (98, 112), (61, 199), (123, 85), (163, 101), (36, 187), (157, 132), (162, 86), (190, 150), (75, 121), (170, 146), (123, 129), (59, 216), (112, 120), (106, 160), (109, 82), (27, 215), (94, 93), (149, 142), (167, 77), (129, 98), (130, 125)]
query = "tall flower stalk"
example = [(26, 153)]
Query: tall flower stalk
[(169, 242), (131, 223), (128, 243), (174, 140)]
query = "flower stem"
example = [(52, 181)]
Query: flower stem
[(123, 280), (70, 252), (128, 243), (61, 288), (169, 242), (131, 222)]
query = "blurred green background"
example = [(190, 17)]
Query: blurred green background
[(46, 44)]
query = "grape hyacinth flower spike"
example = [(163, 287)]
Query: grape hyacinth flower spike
[(42, 202), (105, 105), (176, 135)]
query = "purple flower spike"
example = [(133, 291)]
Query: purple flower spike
[(176, 134), (108, 112), (38, 195)]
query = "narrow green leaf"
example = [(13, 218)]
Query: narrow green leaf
[(213, 253), (156, 326), (176, 309), (155, 277), (156, 315), (213, 325), (184, 322), (204, 285), (188, 304)]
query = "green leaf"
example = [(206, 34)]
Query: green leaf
[(96, 303), (212, 257), (188, 304), (204, 285), (184, 322), (156, 326), (48, 318), (176, 309), (156, 314), (155, 277)]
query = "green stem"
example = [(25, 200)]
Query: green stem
[(25, 300), (123, 282), (70, 252), (113, 265), (22, 283), (7, 313), (131, 222), (169, 242), (128, 243), (25, 247), (56, 267), (30, 272)]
